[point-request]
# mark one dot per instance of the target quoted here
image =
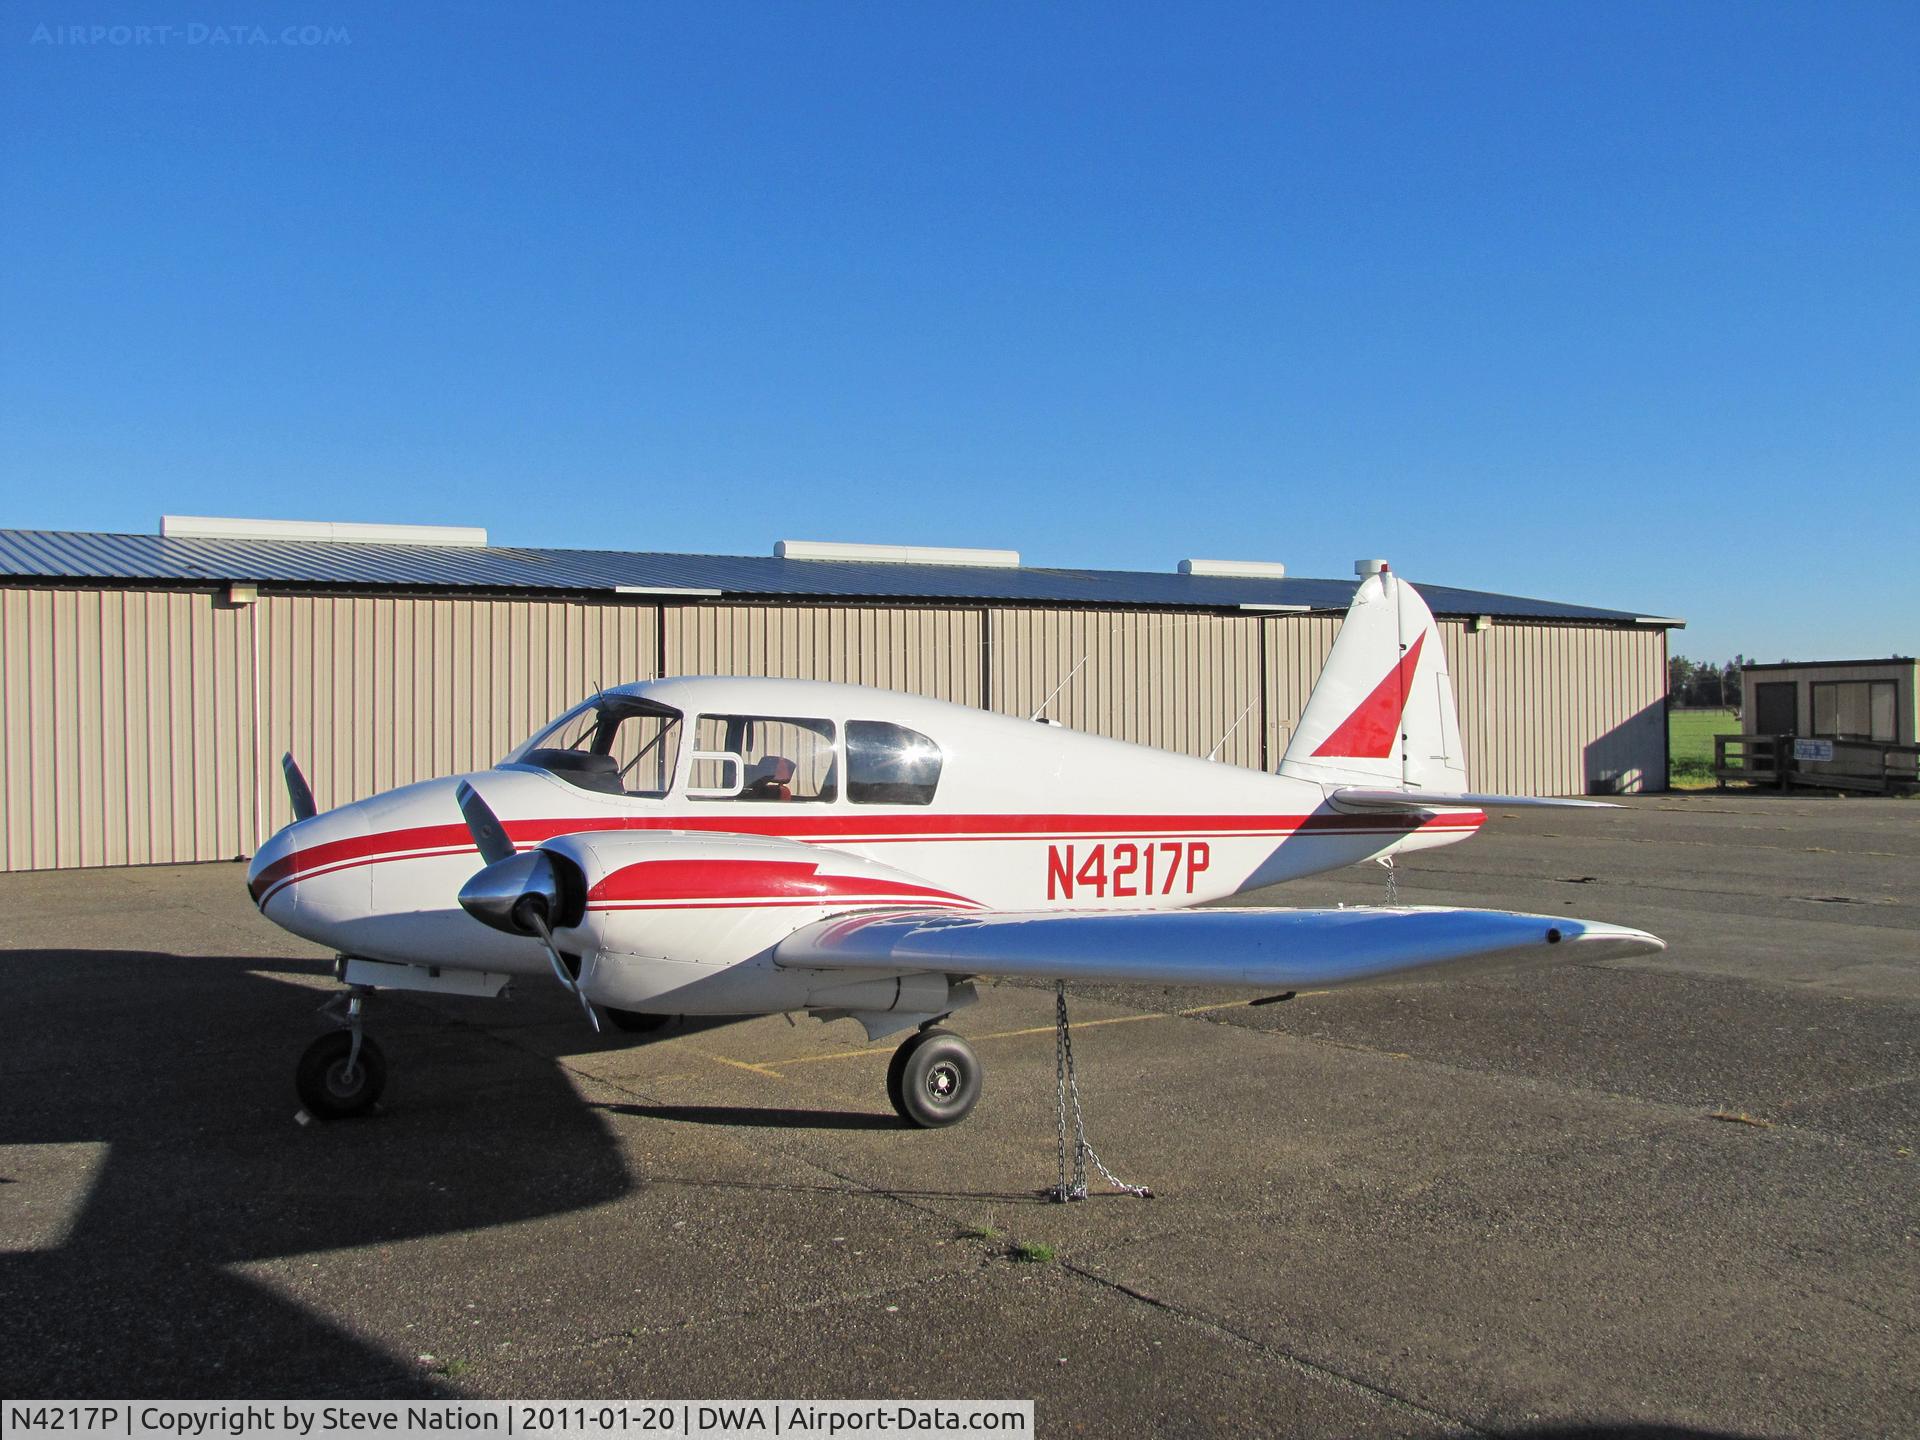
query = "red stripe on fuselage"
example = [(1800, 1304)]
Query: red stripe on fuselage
[(422, 841), (694, 881)]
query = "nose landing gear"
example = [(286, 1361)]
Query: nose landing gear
[(343, 1072)]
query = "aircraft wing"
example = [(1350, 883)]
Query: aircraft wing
[(1266, 949), (1353, 797)]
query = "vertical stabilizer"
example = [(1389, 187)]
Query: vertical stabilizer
[(1382, 713)]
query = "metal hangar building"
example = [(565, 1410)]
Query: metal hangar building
[(151, 682)]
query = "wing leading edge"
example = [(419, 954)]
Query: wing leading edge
[(1264, 949)]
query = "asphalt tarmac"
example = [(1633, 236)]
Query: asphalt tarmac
[(1676, 1195)]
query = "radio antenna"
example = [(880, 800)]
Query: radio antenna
[(1061, 686), (1214, 754)]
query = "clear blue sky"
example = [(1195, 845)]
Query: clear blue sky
[(1617, 304)]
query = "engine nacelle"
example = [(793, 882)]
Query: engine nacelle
[(919, 994), (682, 921)]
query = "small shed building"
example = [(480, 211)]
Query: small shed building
[(1870, 700)]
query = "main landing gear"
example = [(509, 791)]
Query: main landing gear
[(934, 1079), (343, 1072)]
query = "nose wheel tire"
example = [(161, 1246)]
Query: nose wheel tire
[(329, 1088), (934, 1079)]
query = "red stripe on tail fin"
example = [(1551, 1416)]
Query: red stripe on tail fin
[(1367, 734)]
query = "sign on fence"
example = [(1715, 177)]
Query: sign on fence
[(1813, 749)]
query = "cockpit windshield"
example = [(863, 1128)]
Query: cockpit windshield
[(615, 744)]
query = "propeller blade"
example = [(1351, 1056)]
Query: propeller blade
[(560, 971), (299, 793), (489, 835)]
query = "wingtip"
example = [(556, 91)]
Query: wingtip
[(1615, 942)]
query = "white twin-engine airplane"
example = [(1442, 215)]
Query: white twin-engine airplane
[(756, 846)]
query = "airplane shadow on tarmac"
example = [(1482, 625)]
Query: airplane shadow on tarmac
[(181, 1068)]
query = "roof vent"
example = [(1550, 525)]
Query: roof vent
[(1364, 568), (1247, 569), (220, 527), (895, 554)]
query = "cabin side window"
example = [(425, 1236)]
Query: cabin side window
[(889, 764), (781, 758), (614, 744)]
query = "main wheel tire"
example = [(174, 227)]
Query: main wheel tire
[(896, 1067), (325, 1087), (635, 1022), (934, 1079)]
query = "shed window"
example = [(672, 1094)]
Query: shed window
[(889, 764), (1854, 710), (781, 758)]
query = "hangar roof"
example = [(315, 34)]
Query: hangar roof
[(316, 564)]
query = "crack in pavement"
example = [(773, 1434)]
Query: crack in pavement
[(1387, 1399)]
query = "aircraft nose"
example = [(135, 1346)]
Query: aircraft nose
[(273, 865), (312, 876)]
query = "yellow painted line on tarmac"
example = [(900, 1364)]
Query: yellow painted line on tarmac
[(1241, 1004), (772, 1068), (756, 1068), (875, 1052), (1078, 1025), (979, 1039)]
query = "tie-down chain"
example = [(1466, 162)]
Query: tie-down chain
[(1068, 1091)]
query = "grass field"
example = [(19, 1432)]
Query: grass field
[(1690, 742)]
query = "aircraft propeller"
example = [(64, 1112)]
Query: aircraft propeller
[(520, 892), (299, 793)]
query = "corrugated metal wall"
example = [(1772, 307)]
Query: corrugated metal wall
[(1296, 648), (1181, 682), (131, 736), (370, 692), (1561, 709), (128, 719), (933, 652)]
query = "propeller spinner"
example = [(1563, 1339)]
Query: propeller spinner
[(520, 892)]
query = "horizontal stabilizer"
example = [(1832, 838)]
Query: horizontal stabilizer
[(1351, 797), (1263, 949)]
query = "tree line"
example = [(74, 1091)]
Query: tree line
[(1693, 684)]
